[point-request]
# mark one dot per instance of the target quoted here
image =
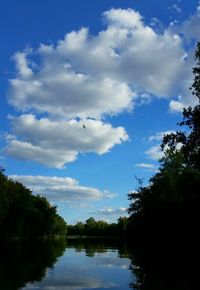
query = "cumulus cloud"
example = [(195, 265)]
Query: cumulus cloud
[(89, 77), (61, 188), (70, 95), (56, 142)]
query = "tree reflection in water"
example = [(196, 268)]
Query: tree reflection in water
[(152, 268), (162, 268), (92, 246), (27, 261)]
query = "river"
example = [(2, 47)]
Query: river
[(93, 266), (76, 264)]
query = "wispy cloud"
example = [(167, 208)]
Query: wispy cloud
[(175, 7), (146, 166), (111, 211)]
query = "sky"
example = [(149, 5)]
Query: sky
[(87, 91)]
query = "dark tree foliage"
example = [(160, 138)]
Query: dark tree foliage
[(189, 141), (91, 227), (167, 210), (23, 214), (196, 71)]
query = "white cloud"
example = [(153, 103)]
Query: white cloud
[(159, 135), (145, 165), (57, 142), (61, 188), (26, 151), (154, 152), (111, 211), (70, 95), (22, 64), (176, 106), (126, 18), (90, 76)]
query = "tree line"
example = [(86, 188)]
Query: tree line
[(23, 214), (99, 228)]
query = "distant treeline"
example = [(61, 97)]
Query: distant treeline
[(25, 215), (98, 228)]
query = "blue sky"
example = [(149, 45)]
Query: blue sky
[(121, 68)]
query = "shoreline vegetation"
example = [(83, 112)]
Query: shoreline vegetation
[(25, 215)]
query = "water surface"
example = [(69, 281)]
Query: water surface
[(95, 266)]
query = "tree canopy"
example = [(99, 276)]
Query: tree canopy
[(92, 227), (23, 214)]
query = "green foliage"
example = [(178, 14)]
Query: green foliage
[(169, 206), (23, 214), (98, 228)]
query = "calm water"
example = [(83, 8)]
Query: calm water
[(96, 266)]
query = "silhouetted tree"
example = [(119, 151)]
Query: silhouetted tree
[(99, 228), (23, 214), (189, 140)]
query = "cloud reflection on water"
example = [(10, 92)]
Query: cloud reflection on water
[(79, 271)]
